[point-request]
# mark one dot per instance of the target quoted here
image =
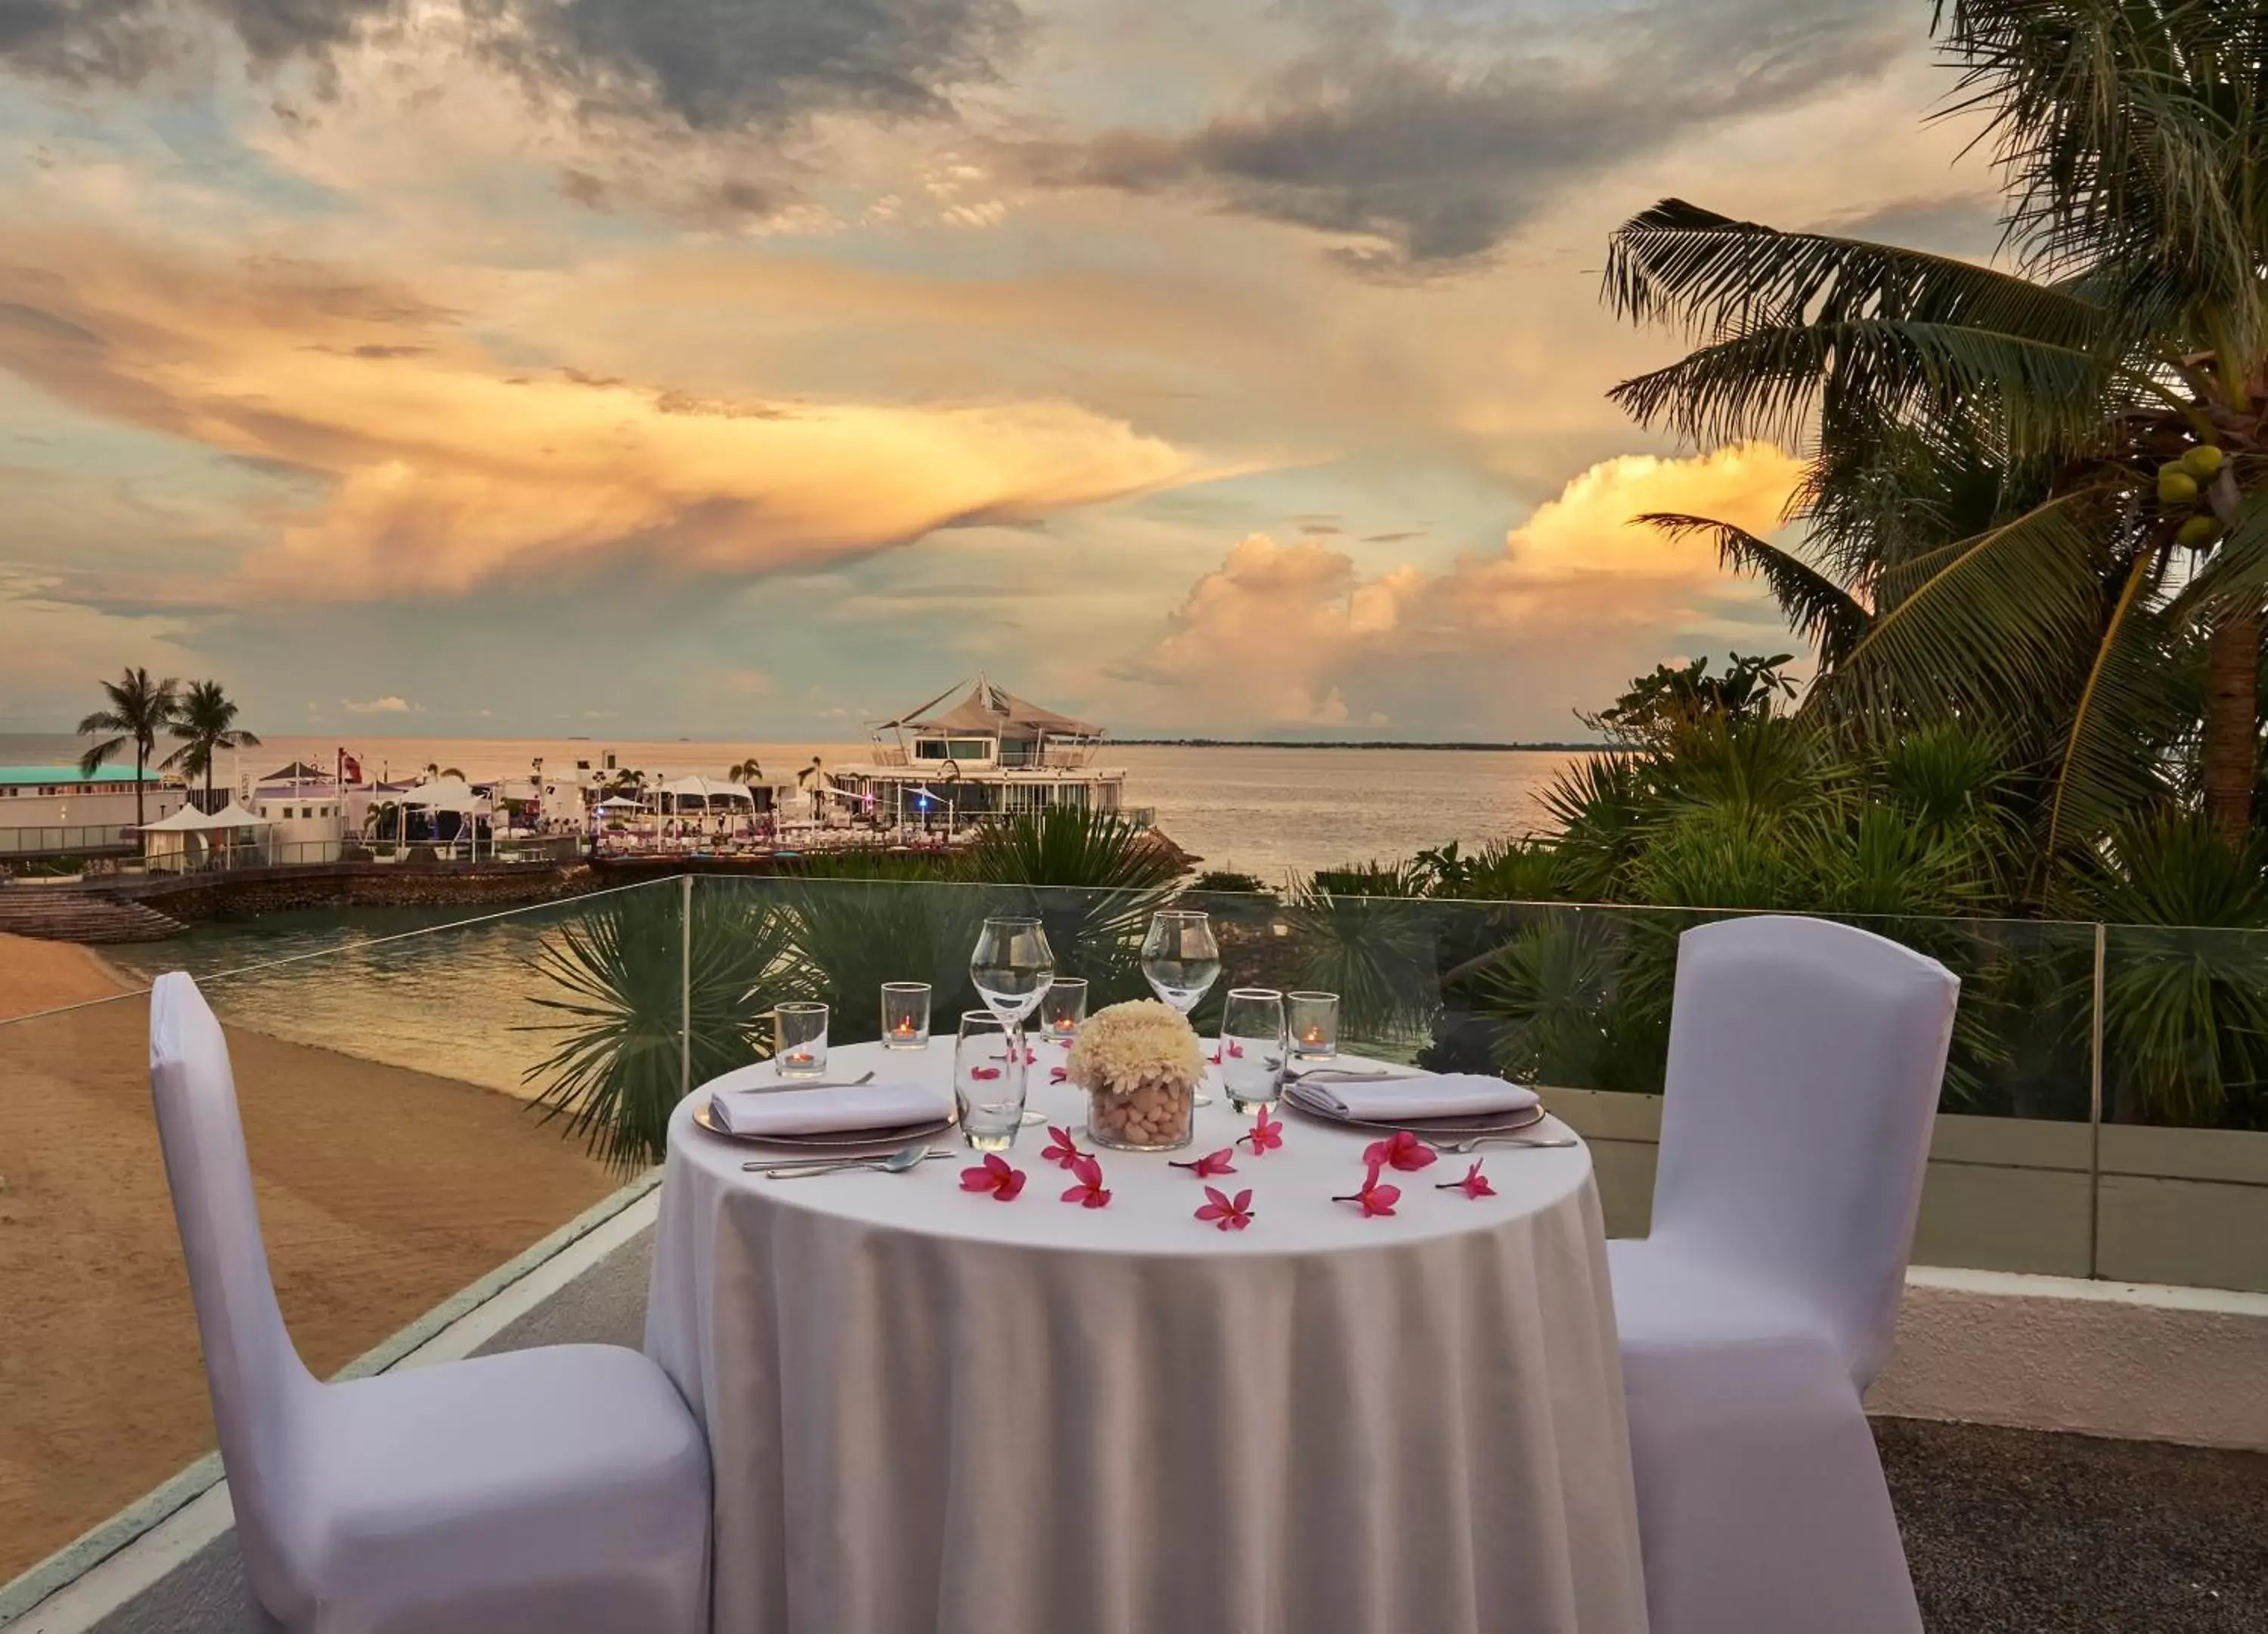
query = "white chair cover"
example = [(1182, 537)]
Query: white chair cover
[(564, 1490), (1805, 1063)]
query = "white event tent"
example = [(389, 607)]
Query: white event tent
[(442, 794), (190, 822)]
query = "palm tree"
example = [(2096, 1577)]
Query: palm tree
[(744, 771), (2036, 498), (140, 709), (205, 723)]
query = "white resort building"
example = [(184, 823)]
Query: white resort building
[(991, 755), (62, 809)]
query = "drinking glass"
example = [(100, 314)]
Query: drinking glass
[(1012, 968), (1180, 959), (1064, 1009), (1315, 1026), (799, 1039), (987, 1081), (905, 1015), (1252, 1047)]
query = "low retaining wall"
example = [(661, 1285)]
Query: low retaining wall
[(2182, 1207), (363, 885)]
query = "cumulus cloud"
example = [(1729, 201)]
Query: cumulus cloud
[(1577, 601), (444, 470), (386, 705), (1430, 154)]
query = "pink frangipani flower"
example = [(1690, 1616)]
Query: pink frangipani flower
[(1404, 1152), (985, 1075), (1061, 1150), (994, 1176), (1265, 1135), (1376, 1200), (1057, 1075), (1212, 1163), (1475, 1184), (1224, 1212), (1089, 1192)]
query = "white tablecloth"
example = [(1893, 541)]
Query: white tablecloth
[(930, 1410)]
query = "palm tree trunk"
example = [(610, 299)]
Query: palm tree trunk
[(139, 761), (2232, 722)]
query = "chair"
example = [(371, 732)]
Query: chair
[(1805, 1064), (563, 1490)]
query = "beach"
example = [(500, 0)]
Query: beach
[(382, 1191), (46, 975)]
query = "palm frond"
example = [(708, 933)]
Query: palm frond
[(1816, 607), (2129, 699), (1990, 624), (1770, 381)]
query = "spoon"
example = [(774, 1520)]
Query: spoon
[(897, 1162)]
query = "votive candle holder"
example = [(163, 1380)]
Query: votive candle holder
[(905, 1015), (1313, 1020), (1064, 1009), (799, 1039)]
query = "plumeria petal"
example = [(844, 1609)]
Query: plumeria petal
[(1475, 1184), (1265, 1135), (994, 1176), (1057, 1075), (1061, 1150), (1404, 1151), (984, 1074)]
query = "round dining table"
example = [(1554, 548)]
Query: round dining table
[(931, 1410)]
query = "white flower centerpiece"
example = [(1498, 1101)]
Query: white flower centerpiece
[(1140, 1064)]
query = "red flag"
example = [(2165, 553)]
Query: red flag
[(351, 766)]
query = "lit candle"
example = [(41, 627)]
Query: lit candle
[(1314, 1036), (905, 1027), (799, 1059)]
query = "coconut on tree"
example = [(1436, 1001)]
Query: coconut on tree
[(2035, 500), (204, 721), (141, 707)]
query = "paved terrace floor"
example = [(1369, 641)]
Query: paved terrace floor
[(2014, 1532)]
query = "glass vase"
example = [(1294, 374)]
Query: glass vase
[(1153, 1117)]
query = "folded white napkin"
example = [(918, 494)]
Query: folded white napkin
[(751, 1101), (1425, 1095)]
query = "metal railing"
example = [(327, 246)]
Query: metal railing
[(64, 840)]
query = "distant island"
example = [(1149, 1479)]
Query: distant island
[(1340, 743)]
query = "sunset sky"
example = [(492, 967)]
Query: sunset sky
[(748, 368)]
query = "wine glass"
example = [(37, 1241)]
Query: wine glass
[(1012, 968), (1181, 960)]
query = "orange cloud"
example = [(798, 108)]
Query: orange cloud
[(446, 470), (1296, 635)]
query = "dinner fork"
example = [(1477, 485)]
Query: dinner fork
[(1474, 1143)]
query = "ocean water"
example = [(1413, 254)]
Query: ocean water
[(1261, 811)]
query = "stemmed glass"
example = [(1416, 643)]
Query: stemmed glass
[(1181, 960), (1012, 968)]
